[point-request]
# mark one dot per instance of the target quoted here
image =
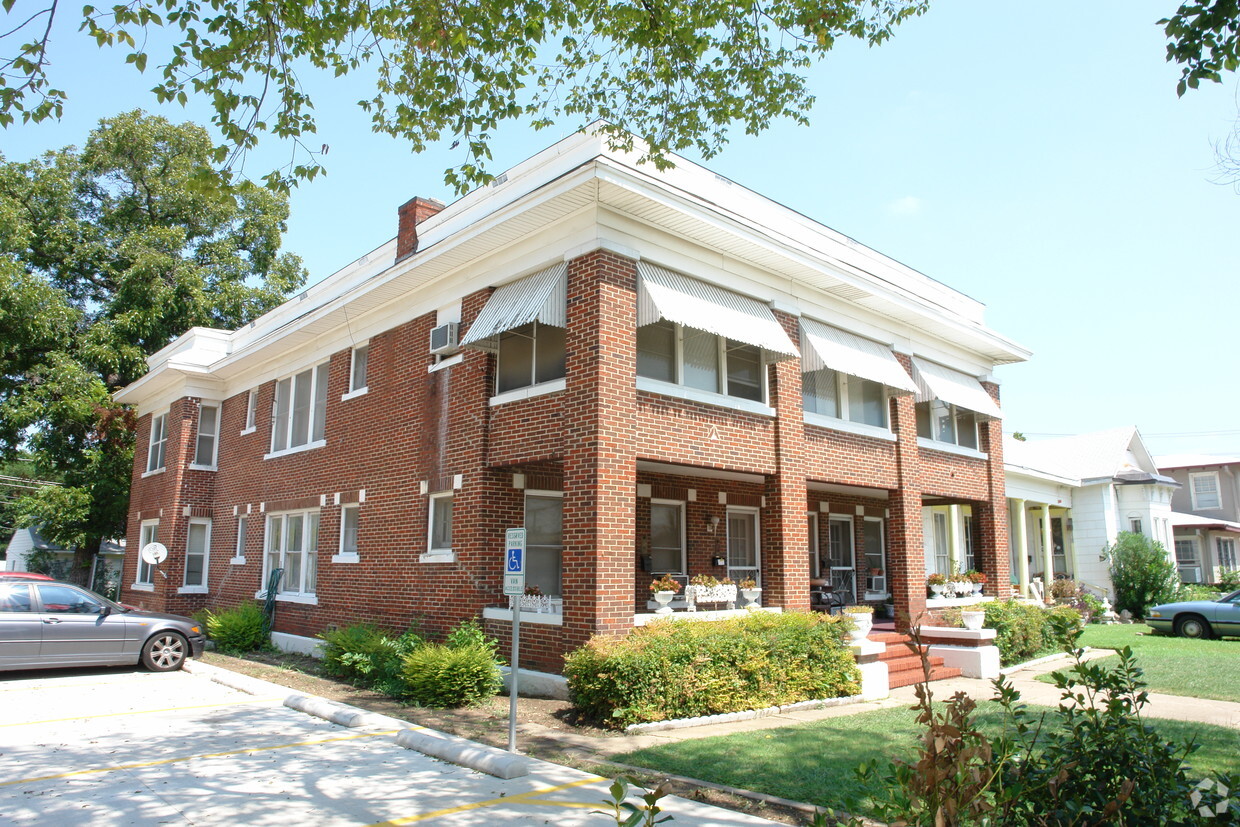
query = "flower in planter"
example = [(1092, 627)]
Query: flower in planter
[(858, 610), (704, 580), (666, 583), (533, 591), (975, 576), (936, 579), (749, 583)]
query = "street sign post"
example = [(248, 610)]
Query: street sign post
[(514, 587)]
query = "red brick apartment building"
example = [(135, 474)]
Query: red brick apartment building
[(650, 371)]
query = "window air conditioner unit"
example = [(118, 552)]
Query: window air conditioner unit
[(444, 338)]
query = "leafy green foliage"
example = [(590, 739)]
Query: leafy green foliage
[(243, 628), (1142, 573), (1026, 631), (1204, 37), (1229, 580), (628, 814), (443, 677), (678, 670), (107, 253), (367, 656), (469, 633), (677, 73)]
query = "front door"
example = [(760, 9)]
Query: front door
[(841, 556), (744, 560)]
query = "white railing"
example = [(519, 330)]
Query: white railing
[(539, 604), (710, 594)]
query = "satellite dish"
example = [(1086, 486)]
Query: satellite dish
[(154, 553)]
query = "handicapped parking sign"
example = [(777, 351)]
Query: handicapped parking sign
[(514, 561)]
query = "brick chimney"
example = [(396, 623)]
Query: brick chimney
[(412, 213)]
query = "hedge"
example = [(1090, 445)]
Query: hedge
[(1026, 631), (676, 669)]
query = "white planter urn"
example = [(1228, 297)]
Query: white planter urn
[(977, 587), (938, 589), (663, 599), (751, 596), (863, 622), (963, 588), (973, 620)]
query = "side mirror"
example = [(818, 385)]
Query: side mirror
[(105, 610)]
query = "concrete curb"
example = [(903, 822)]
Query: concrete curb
[(233, 680), (491, 760)]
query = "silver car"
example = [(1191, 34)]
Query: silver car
[(48, 624), (1197, 618)]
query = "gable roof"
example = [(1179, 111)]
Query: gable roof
[(1117, 454)]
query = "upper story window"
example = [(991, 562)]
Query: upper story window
[(704, 361), (939, 421), (523, 324), (357, 368), (529, 355), (300, 408), (951, 405), (849, 377), (831, 393), (159, 441), (251, 410), (208, 435), (1204, 488)]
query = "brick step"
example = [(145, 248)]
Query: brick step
[(910, 677), (911, 662)]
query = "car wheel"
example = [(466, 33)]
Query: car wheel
[(165, 652), (1193, 626)]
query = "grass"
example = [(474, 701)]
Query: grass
[(1174, 665), (814, 762)]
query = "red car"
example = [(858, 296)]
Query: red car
[(23, 575)]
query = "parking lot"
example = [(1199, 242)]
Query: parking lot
[(125, 746)]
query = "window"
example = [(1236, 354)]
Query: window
[(544, 541), (1187, 560), (942, 422), (440, 524), (239, 552), (251, 410), (529, 355), (357, 371), (830, 393), (67, 600), (1134, 525), (841, 556), (1227, 554), (15, 597), (939, 543), (299, 411), (685, 356), (293, 545), (149, 534), (208, 435), (969, 563), (875, 559), (197, 546), (1205, 490), (667, 537), (159, 440)]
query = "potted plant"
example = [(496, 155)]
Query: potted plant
[(750, 591), (977, 579), (937, 584), (664, 589), (703, 588), (863, 621), (962, 584)]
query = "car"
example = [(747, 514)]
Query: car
[(51, 624), (24, 575), (1197, 618)]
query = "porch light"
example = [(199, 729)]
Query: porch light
[(712, 522)]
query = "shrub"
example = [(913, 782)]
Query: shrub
[(1063, 588), (443, 677), (366, 656), (1026, 631), (242, 628), (1196, 591), (470, 633), (669, 669), (1142, 573), (1229, 580)]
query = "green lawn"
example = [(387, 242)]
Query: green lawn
[(1175, 665), (814, 762)]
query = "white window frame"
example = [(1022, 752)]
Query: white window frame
[(156, 452), (1191, 563), (815, 564), (720, 392), (347, 553), (684, 545), (1225, 549), (843, 382), (251, 411), (435, 554), (1135, 525), (956, 413), (215, 438), (547, 495), (317, 417), (519, 391), (197, 588), (243, 524), (144, 577), (356, 389), (1198, 504), (756, 573), (299, 594), (882, 556)]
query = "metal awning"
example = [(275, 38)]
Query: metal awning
[(662, 294), (830, 347), (540, 297), (937, 382)]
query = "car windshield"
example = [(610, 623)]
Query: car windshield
[(1234, 597)]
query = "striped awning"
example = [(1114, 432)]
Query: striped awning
[(662, 294), (830, 347), (937, 382), (540, 297)]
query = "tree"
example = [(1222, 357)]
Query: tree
[(1142, 573), (677, 73), (107, 254)]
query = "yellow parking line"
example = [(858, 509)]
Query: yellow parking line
[(141, 712), (507, 799), (143, 764)]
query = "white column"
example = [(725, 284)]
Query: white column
[(953, 538), (1048, 552), (1020, 541)]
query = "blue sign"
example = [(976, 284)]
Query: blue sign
[(514, 561)]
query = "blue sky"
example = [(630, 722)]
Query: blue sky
[(1033, 156)]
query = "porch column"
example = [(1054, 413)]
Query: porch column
[(1020, 542), (1048, 553), (990, 523), (785, 535), (905, 547), (599, 427), (955, 554)]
